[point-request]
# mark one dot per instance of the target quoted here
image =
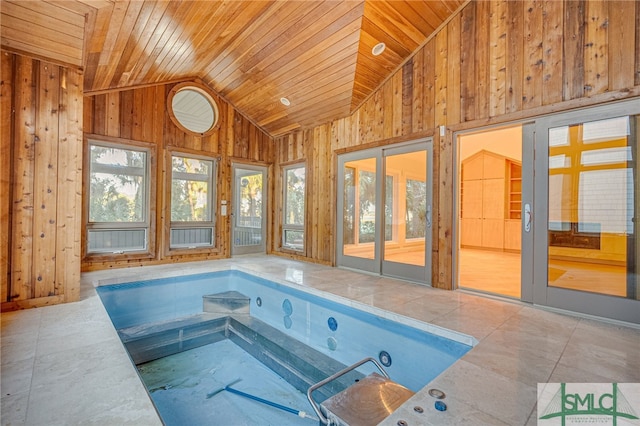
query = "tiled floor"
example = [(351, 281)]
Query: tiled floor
[(64, 364)]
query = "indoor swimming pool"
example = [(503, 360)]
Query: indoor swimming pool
[(276, 341)]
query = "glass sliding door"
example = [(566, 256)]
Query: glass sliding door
[(385, 223), (586, 246), (492, 179), (249, 209), (357, 208), (407, 213)]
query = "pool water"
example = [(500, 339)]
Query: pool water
[(179, 384), (291, 339)]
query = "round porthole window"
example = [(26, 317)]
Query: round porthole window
[(192, 109)]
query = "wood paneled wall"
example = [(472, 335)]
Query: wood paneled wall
[(495, 61), (141, 115), (41, 117)]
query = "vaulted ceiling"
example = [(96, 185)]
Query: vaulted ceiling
[(317, 54)]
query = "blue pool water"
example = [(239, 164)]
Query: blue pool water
[(340, 331), (332, 328)]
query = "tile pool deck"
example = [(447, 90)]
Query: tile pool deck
[(64, 364)]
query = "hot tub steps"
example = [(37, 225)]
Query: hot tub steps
[(297, 363), (226, 303), (156, 340)]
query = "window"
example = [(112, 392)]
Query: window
[(192, 109), (416, 209), (192, 200), (118, 198), (294, 200)]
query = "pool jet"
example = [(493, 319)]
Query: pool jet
[(228, 388)]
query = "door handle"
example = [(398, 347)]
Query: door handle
[(528, 217), (428, 217)]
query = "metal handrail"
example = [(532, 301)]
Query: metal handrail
[(331, 378)]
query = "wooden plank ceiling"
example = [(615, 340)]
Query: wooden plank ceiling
[(315, 53)]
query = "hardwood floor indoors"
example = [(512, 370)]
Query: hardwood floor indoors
[(499, 272)]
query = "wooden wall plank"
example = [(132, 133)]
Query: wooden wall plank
[(418, 101), (596, 48), (45, 191), (396, 82), (637, 50), (482, 60), (6, 154), (387, 109), (69, 202), (45, 140), (622, 36), (440, 77), (468, 63), (573, 67), (126, 120), (444, 164), (453, 76), (113, 114), (407, 96), (498, 55), (429, 90), (515, 57), (552, 52), (533, 55), (23, 176)]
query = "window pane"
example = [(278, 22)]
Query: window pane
[(592, 204), (367, 207), (294, 239), (294, 208), (416, 210), (118, 185), (349, 202), (190, 190), (250, 204)]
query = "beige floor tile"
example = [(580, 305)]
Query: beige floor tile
[(508, 400), (13, 409), (16, 377), (457, 413)]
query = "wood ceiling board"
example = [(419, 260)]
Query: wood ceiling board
[(114, 49), (95, 34), (79, 7), (394, 24), (256, 100), (315, 90), (258, 40), (292, 48), (173, 19), (322, 45), (216, 53), (318, 53), (374, 32), (176, 45), (303, 33), (73, 25), (15, 37), (148, 17)]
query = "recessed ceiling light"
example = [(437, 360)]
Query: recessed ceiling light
[(285, 101), (378, 49)]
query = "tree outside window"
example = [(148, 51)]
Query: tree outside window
[(294, 207), (118, 213)]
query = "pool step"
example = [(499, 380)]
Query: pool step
[(152, 341), (297, 363), (226, 303)]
